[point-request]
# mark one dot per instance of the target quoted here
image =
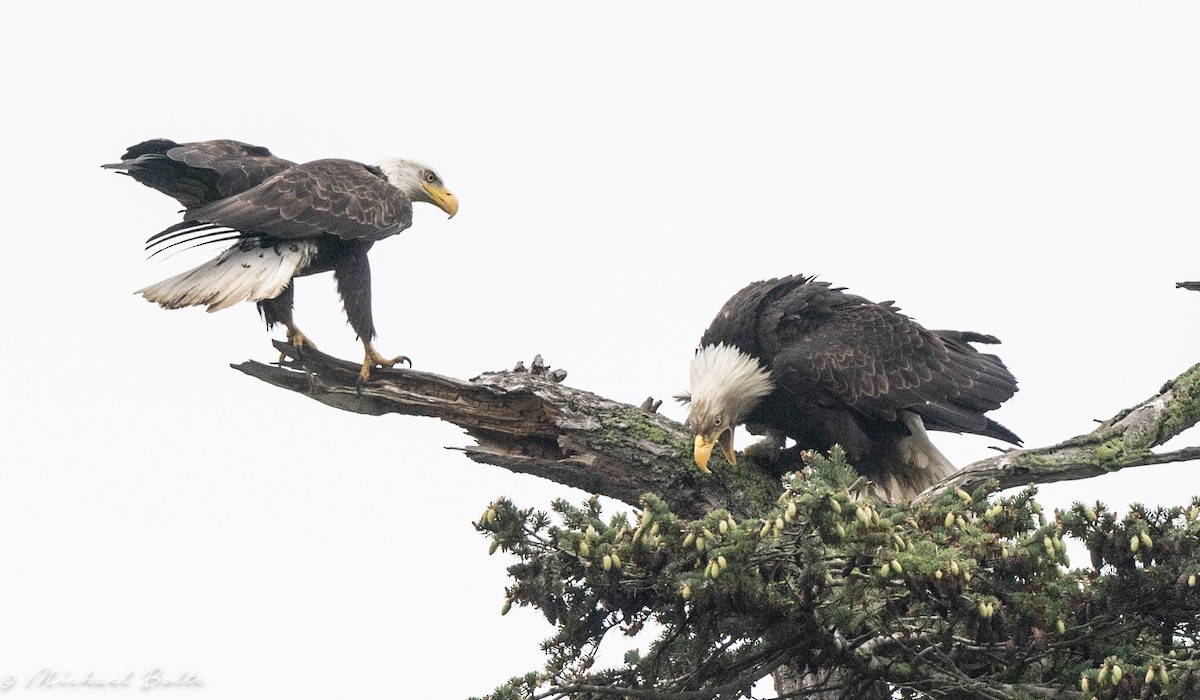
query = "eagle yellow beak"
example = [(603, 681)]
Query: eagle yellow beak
[(702, 452), (704, 447), (442, 197)]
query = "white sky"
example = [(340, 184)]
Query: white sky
[(1029, 170)]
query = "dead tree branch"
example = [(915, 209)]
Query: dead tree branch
[(528, 422)]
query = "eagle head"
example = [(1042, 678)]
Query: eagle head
[(726, 385), (420, 183)]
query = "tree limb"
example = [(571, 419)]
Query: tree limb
[(528, 422), (1123, 441)]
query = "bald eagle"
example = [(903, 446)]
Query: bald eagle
[(799, 358), (285, 220)]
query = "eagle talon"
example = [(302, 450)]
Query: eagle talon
[(374, 359), (397, 360), (298, 340)]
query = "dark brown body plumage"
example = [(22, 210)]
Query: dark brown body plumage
[(234, 191), (845, 369), (199, 173)]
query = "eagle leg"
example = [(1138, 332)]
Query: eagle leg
[(352, 272), (769, 450), (374, 359), (297, 339), (279, 310)]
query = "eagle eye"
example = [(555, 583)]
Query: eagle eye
[(429, 176)]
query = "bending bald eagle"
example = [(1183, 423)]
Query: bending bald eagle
[(798, 358), (286, 220)]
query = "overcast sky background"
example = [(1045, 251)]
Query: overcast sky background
[(1030, 170)]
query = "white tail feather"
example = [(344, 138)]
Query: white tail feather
[(922, 464), (234, 276)]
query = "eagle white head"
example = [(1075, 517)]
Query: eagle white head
[(420, 183), (726, 385)]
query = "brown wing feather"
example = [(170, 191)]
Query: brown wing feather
[(202, 172), (337, 197), (880, 362), (239, 166), (839, 349)]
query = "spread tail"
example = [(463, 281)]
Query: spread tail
[(248, 271)]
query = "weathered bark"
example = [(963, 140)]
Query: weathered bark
[(528, 422)]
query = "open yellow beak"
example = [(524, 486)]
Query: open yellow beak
[(444, 198), (704, 447)]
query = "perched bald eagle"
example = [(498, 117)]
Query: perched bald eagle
[(286, 220), (798, 358)]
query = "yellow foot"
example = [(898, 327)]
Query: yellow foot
[(298, 341), (374, 359)]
